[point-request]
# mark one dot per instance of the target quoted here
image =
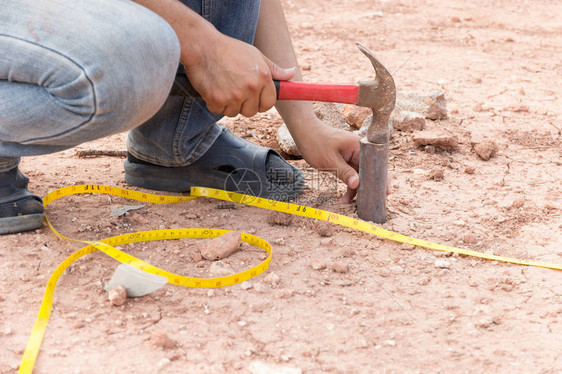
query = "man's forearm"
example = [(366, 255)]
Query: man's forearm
[(192, 30), (274, 41)]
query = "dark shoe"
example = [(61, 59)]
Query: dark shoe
[(19, 209), (231, 164)]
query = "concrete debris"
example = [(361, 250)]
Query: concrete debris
[(431, 106), (442, 141), (136, 282), (409, 115), (408, 121)]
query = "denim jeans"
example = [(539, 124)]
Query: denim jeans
[(184, 129), (74, 71)]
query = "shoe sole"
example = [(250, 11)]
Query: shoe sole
[(13, 225)]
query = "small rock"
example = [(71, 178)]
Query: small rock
[(485, 323), (346, 252), (486, 150), (407, 247), (286, 142), (469, 238), (431, 106), (430, 149), (424, 280), (383, 272), (469, 170), (260, 287), (550, 206), (340, 266), (318, 265), (162, 340), (279, 241), (325, 242), (324, 229), (442, 141), (245, 285), (220, 269), (260, 367), (436, 175), (518, 108), (405, 120), (163, 362), (282, 294), (518, 203), (222, 246), (390, 343), (195, 256), (272, 279), (355, 116), (443, 264), (331, 113), (279, 219), (481, 107), (139, 218), (117, 295)]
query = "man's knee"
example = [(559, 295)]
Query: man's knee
[(137, 65)]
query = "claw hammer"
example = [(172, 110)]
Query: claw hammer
[(380, 96)]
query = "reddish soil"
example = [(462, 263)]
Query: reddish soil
[(344, 302)]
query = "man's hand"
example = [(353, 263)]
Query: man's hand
[(336, 150), (333, 149), (235, 78), (231, 76)]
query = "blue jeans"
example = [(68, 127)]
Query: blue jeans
[(74, 71), (184, 129)]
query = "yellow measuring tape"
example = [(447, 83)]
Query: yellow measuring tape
[(107, 245)]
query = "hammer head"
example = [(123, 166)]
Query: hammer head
[(380, 96)]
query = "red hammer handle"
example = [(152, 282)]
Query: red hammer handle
[(332, 93)]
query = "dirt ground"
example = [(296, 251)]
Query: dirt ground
[(395, 309)]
